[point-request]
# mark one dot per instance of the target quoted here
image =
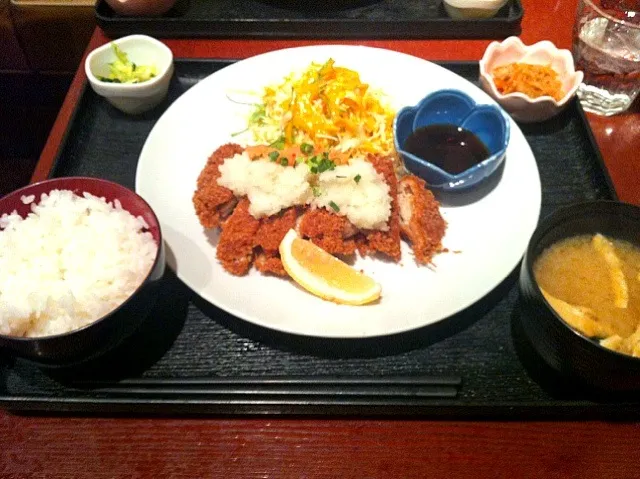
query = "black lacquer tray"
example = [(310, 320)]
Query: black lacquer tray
[(328, 19), (185, 339)]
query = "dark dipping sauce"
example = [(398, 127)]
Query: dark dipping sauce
[(450, 147)]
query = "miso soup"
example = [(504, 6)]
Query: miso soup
[(593, 283)]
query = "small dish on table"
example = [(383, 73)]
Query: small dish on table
[(466, 142), (84, 258), (131, 96), (473, 9), (569, 312), (142, 8), (554, 66)]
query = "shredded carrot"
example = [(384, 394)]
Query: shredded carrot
[(532, 80), (329, 107), (290, 153)]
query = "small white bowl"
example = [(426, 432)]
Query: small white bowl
[(132, 98), (467, 9), (521, 107)]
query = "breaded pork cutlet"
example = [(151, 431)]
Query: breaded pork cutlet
[(270, 264), (331, 232), (270, 233), (385, 242), (420, 219), (273, 229), (237, 240), (213, 202)]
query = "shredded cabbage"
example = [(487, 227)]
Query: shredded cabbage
[(327, 106)]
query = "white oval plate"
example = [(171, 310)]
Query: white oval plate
[(488, 236)]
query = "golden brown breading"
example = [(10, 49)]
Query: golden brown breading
[(385, 242), (420, 218), (214, 202), (273, 229), (270, 233), (237, 238), (245, 240), (331, 232), (269, 264)]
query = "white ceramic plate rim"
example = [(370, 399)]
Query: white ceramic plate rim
[(486, 238)]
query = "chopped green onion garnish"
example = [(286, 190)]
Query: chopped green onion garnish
[(316, 191), (320, 164), (284, 161), (273, 156), (357, 178), (278, 144), (327, 165), (334, 207), (306, 148)]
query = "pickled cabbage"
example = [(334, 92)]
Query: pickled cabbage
[(124, 71)]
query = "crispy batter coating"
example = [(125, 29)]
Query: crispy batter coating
[(273, 229), (331, 232), (214, 202), (385, 242), (245, 240), (269, 264), (268, 238), (420, 218), (237, 239)]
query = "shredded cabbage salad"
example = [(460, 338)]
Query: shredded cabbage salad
[(327, 106)]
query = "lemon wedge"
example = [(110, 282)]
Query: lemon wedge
[(324, 275)]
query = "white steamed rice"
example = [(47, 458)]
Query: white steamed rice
[(69, 262)]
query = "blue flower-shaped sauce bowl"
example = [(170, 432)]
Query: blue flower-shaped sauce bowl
[(452, 107)]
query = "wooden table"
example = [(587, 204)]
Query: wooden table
[(267, 447)]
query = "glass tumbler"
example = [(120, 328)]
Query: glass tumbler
[(606, 47)]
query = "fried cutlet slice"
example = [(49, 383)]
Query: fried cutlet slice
[(420, 219), (270, 233), (385, 242), (213, 202), (273, 229), (331, 232), (237, 239), (270, 264)]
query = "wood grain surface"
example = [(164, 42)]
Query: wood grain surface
[(40, 446), (266, 448)]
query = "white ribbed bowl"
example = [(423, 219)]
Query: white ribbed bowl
[(518, 105)]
